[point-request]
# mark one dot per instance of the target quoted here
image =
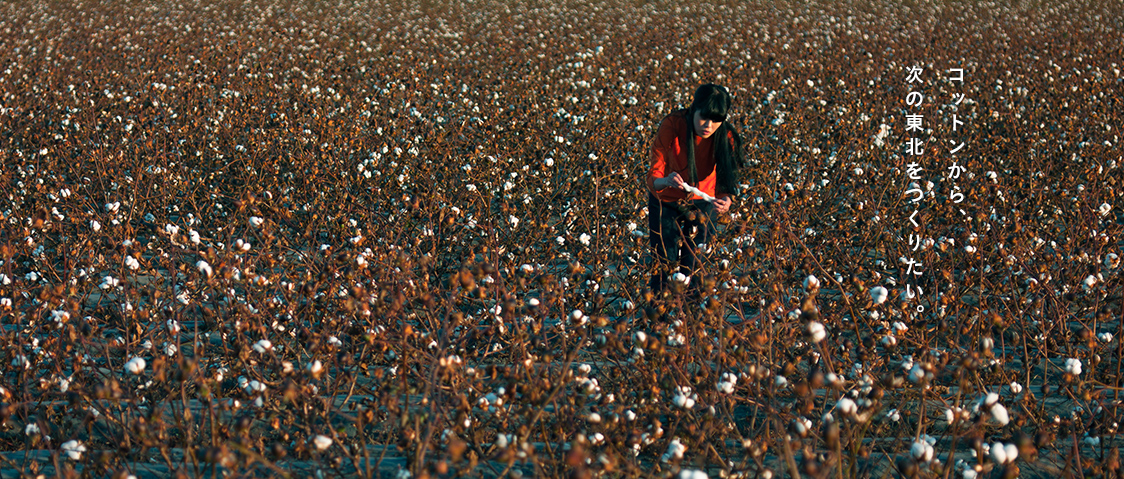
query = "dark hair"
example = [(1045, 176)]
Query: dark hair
[(712, 102)]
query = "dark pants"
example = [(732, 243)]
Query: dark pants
[(674, 232)]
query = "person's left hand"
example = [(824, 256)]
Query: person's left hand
[(723, 204)]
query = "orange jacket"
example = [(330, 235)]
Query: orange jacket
[(669, 156)]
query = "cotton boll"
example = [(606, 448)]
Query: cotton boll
[(727, 382), (262, 346), (916, 374), (204, 268), (998, 453), (816, 331), (322, 442), (921, 451), (811, 283), (1012, 452), (135, 365), (692, 474), (73, 449), (1073, 366), (846, 406), (675, 451), (256, 221), (683, 397), (991, 399), (999, 414), (878, 294)]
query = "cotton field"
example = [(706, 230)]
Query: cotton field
[(357, 238)]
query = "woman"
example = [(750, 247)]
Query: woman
[(685, 153)]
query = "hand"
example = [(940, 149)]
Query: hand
[(722, 205), (672, 180)]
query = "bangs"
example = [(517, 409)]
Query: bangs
[(712, 103), (715, 115)]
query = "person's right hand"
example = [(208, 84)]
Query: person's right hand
[(673, 180)]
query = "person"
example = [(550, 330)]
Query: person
[(685, 152)]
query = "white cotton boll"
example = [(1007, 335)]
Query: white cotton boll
[(816, 331), (1073, 366), (846, 406), (999, 414), (991, 398), (73, 449), (135, 365), (593, 418), (560, 240), (1089, 282), (1016, 388), (727, 382), (879, 294), (315, 367), (31, 429), (811, 283), (640, 337), (321, 442), (194, 237), (262, 346), (94, 225), (1105, 337), (1012, 452), (171, 229), (970, 473), (170, 350), (781, 381), (204, 268), (916, 374), (802, 425), (998, 453), (683, 398), (921, 451), (256, 221), (584, 238), (681, 278), (1111, 260), (1104, 209), (675, 451), (692, 474), (132, 263)]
